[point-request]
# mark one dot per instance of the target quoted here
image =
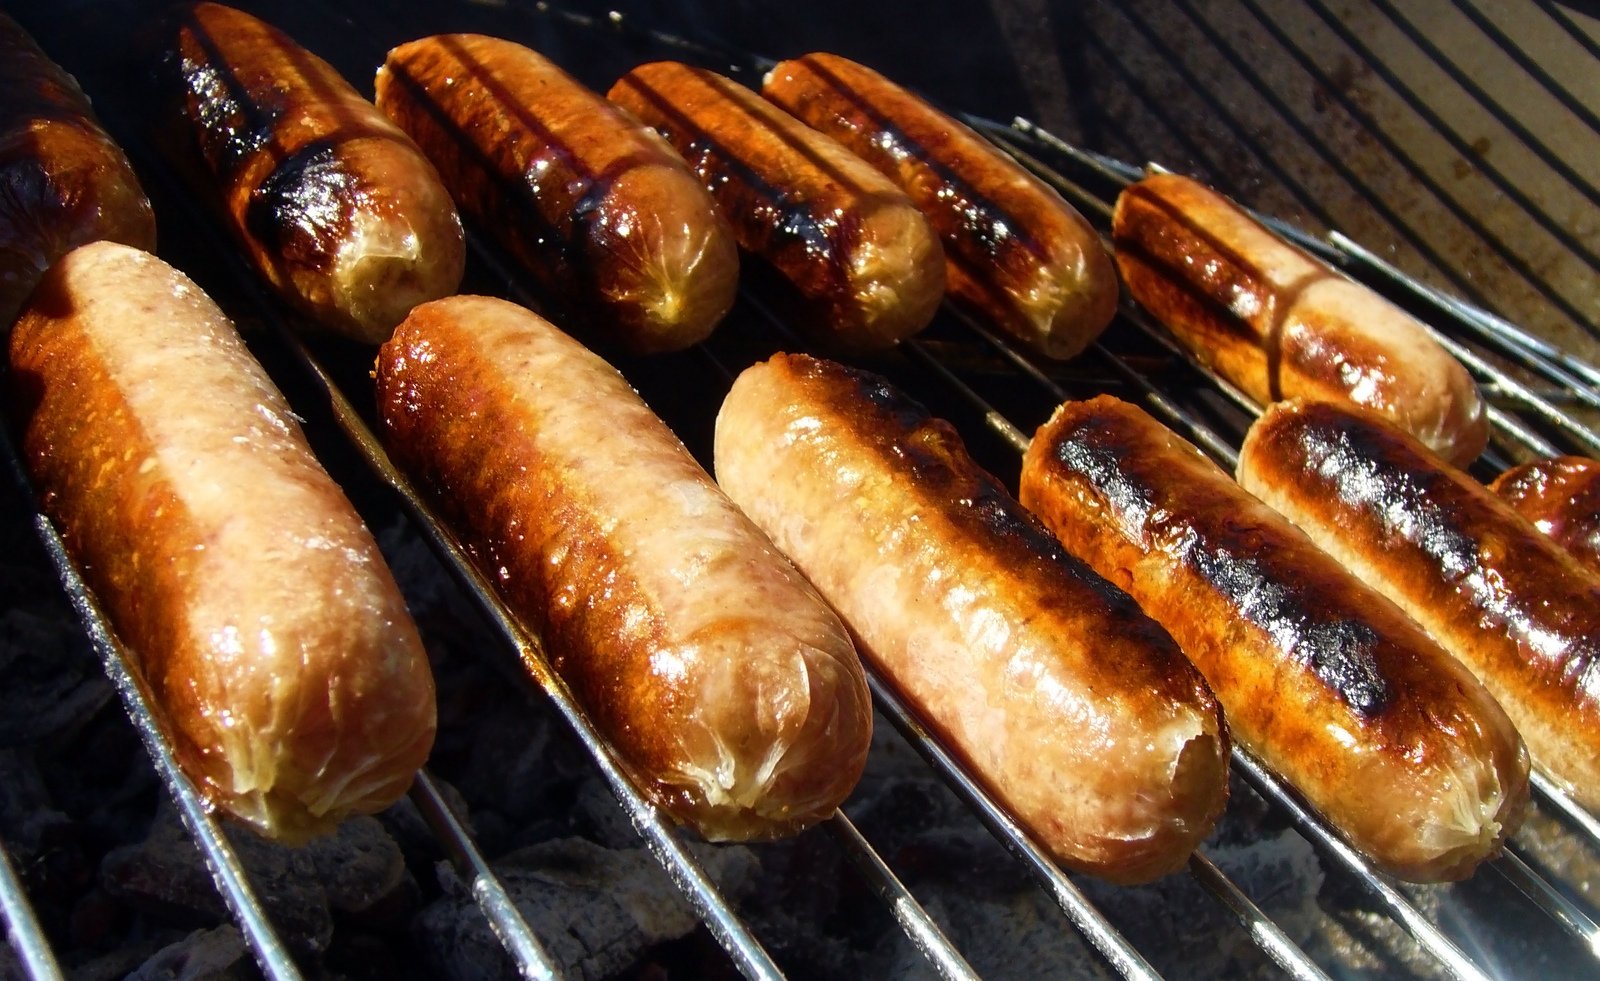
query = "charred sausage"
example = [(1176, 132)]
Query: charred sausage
[(1330, 684), (273, 640), (63, 180), (1561, 496), (335, 207), (602, 213), (1511, 604), (1077, 710), (1280, 324), (1015, 252), (854, 246), (729, 688)]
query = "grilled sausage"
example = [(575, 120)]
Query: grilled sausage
[(1280, 324), (259, 614), (1512, 605), (852, 244), (729, 688), (598, 209), (1561, 496), (335, 207), (1324, 679), (1015, 252), (63, 181), (1077, 710)]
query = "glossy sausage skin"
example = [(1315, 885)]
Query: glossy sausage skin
[(335, 207), (260, 615), (1280, 324), (1014, 250), (63, 181), (729, 688), (1325, 680), (1561, 496), (1508, 602), (1078, 712), (850, 242), (602, 213)]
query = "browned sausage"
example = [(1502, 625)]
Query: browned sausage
[(1329, 683), (1014, 250), (1078, 711), (335, 207), (1511, 604), (260, 615), (63, 181), (1280, 324), (729, 688), (597, 208), (1561, 496), (851, 243)]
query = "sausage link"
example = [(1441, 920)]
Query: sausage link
[(1508, 602), (1561, 496), (1077, 710), (1015, 252), (63, 180), (335, 207), (852, 244), (602, 213), (1330, 684), (1280, 324), (274, 643), (729, 688)]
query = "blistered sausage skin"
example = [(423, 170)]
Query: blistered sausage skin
[(261, 617), (729, 688), (847, 238), (1279, 323), (1325, 680), (63, 181), (1015, 251), (602, 213), (335, 207), (1075, 709), (1508, 602), (1561, 496)]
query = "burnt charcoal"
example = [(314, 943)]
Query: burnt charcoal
[(596, 910), (205, 955), (50, 679), (117, 964), (359, 867)]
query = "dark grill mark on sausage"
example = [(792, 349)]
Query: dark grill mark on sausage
[(301, 210), (234, 124)]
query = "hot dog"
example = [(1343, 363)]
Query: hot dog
[(1512, 605), (850, 242), (1280, 324), (335, 207), (1561, 496), (1328, 682), (1014, 250), (63, 180), (729, 688), (262, 620), (1077, 710), (598, 209)]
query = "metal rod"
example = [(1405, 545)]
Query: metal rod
[(22, 926), (1545, 896), (1267, 935), (1575, 813)]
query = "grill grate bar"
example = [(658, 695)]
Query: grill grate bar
[(227, 873), (1564, 911), (22, 926), (1272, 940)]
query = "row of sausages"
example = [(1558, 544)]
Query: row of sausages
[(730, 684)]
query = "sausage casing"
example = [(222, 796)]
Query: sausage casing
[(849, 240), (1328, 682), (598, 208), (63, 180), (1508, 602), (1077, 710), (277, 649), (1280, 324), (729, 688), (335, 207), (1015, 251), (1561, 496)]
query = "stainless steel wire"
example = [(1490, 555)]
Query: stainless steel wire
[(27, 939)]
